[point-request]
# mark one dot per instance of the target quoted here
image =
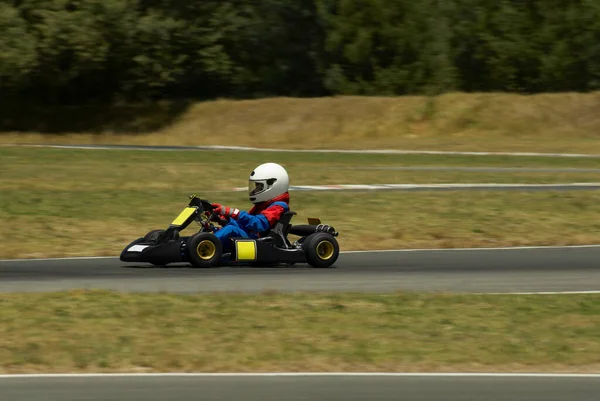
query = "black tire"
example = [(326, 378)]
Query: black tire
[(321, 249), (204, 250)]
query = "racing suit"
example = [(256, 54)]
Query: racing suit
[(251, 224)]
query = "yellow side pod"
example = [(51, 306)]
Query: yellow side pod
[(245, 250)]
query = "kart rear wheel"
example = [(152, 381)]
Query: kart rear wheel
[(204, 250), (321, 249)]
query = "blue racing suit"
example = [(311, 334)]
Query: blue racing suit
[(253, 223)]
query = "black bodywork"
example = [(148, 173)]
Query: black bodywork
[(162, 247)]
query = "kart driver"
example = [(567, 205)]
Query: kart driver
[(268, 188)]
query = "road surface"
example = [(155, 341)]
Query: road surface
[(471, 271), (301, 388)]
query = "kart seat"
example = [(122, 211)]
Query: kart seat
[(280, 232)]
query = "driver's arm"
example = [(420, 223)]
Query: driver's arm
[(257, 223), (263, 221)]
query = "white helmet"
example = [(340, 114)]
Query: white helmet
[(266, 182)]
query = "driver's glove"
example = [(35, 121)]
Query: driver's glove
[(225, 210)]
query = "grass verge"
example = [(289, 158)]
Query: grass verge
[(74, 203), (565, 122), (89, 223), (183, 171), (82, 331)]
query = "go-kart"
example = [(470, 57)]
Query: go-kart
[(316, 244)]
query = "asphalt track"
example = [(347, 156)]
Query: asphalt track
[(279, 150), (482, 169), (486, 270), (509, 270), (302, 388), (468, 169)]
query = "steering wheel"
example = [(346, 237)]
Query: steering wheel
[(208, 211), (219, 219), (211, 215)]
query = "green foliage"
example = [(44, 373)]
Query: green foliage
[(387, 47), (73, 51), (18, 55)]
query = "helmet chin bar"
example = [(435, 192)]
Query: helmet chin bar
[(264, 186)]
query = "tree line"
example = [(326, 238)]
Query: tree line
[(71, 51)]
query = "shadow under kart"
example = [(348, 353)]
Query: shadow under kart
[(316, 246)]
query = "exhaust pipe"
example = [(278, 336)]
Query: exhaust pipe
[(305, 230)]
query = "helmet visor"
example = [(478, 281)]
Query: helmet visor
[(255, 187)]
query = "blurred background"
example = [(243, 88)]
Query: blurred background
[(464, 124)]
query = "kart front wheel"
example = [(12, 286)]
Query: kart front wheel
[(204, 250), (321, 249)]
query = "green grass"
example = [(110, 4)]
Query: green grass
[(73, 203), (104, 331)]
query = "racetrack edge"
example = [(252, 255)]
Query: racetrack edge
[(257, 149), (506, 248), (303, 374)]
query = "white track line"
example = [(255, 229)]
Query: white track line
[(504, 248), (507, 248), (301, 374), (378, 187), (348, 151), (539, 293), (65, 258)]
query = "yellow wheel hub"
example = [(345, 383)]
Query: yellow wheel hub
[(206, 249), (325, 250)]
